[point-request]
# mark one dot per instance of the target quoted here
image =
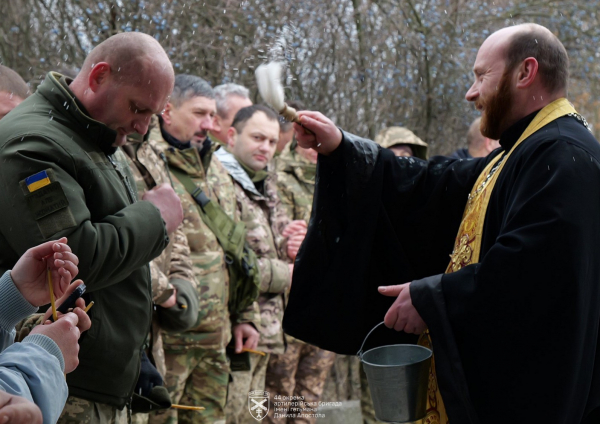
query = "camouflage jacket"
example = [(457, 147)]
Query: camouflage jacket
[(296, 184), (213, 326), (265, 220), (173, 268)]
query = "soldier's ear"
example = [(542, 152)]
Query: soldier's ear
[(166, 115), (217, 124), (231, 136), (98, 75)]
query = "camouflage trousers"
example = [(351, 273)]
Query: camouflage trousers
[(300, 371), (140, 418), (343, 382), (242, 382), (81, 411), (197, 377)]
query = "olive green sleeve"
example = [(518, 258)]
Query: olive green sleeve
[(109, 247), (184, 314)]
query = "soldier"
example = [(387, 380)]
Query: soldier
[(286, 134), (173, 281), (61, 179), (301, 371), (230, 98), (478, 145), (197, 367), (252, 139), (402, 141), (13, 90)]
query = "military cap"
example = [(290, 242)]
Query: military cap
[(392, 136)]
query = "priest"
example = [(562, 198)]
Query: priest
[(493, 261)]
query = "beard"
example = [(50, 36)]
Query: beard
[(199, 137), (496, 110)]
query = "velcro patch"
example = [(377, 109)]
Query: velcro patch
[(47, 200)]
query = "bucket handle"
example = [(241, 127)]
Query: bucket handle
[(360, 352)]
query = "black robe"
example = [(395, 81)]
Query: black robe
[(516, 335)]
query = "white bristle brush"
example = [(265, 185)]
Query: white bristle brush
[(270, 87)]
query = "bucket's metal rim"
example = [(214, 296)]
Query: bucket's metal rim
[(361, 356)]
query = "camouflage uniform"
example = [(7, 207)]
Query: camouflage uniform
[(172, 269), (197, 367), (303, 368), (81, 411), (295, 184), (174, 265), (265, 220)]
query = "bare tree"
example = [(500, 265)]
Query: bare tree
[(366, 63)]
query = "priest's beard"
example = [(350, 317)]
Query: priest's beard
[(496, 109)]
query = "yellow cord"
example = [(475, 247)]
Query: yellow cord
[(52, 300), (188, 408)]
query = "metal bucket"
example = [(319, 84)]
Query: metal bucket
[(398, 376)]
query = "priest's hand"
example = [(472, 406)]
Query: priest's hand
[(402, 315), (325, 137)]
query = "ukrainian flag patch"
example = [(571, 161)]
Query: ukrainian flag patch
[(37, 181)]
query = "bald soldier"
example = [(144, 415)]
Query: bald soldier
[(60, 179), (512, 315), (13, 90)]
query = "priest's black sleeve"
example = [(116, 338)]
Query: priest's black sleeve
[(376, 220)]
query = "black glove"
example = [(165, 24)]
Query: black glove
[(149, 377), (149, 394)]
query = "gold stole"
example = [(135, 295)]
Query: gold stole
[(468, 241)]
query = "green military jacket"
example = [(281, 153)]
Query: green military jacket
[(59, 178), (265, 220), (213, 326), (173, 269)]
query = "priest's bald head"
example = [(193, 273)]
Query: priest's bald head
[(124, 81), (518, 70)]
